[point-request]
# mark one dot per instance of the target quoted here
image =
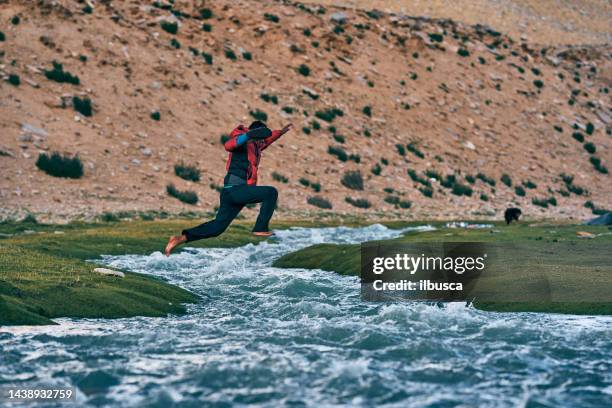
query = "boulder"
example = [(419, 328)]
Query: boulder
[(339, 17), (109, 272)]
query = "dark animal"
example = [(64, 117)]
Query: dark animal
[(512, 214)]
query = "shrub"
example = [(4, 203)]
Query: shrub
[(590, 147), (307, 183), (415, 177), (376, 170), (279, 177), (435, 37), (306, 130), (2, 36), (367, 110), (206, 27), (269, 98), (484, 197), (58, 74), (186, 172), (359, 202), (271, 17), (426, 191), (397, 202), (87, 9), (355, 157), (208, 58), (540, 202), (352, 180), (339, 138), (432, 174), (174, 43), (288, 109), (259, 115), (315, 125), (307, 32), (405, 204), (520, 191), (578, 136), (15, 20), (529, 184), (247, 56), (83, 106), (230, 54), (328, 115), (187, 196), (538, 84), (415, 150), (461, 189), (590, 128), (449, 181), (58, 165), (206, 13), (392, 200), (596, 162), (400, 149), (320, 202), (506, 180), (338, 152), (155, 115), (486, 179), (169, 27), (463, 52), (29, 219), (303, 70), (14, 80)]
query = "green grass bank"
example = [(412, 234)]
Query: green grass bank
[(547, 262), (44, 273)]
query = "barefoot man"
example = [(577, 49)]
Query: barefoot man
[(239, 187)]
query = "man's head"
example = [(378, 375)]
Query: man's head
[(257, 124)]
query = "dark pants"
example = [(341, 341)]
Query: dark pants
[(232, 200)]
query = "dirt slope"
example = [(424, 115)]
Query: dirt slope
[(468, 99)]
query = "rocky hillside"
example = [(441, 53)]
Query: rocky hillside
[(396, 114)]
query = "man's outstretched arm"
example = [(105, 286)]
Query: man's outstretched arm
[(275, 135)]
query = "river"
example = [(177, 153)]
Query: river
[(294, 337)]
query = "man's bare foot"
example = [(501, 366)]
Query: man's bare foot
[(263, 233), (173, 242)]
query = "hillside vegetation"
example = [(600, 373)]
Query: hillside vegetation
[(405, 115)]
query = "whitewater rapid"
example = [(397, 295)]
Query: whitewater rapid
[(277, 337)]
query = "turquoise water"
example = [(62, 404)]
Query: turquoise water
[(278, 337)]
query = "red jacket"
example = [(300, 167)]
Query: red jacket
[(243, 160)]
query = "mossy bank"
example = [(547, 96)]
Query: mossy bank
[(577, 271), (46, 271)]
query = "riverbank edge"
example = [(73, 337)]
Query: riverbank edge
[(46, 270), (345, 259)]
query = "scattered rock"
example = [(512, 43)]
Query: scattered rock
[(339, 17), (28, 129), (109, 272), (585, 234)]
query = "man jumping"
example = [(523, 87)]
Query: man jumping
[(239, 187)]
